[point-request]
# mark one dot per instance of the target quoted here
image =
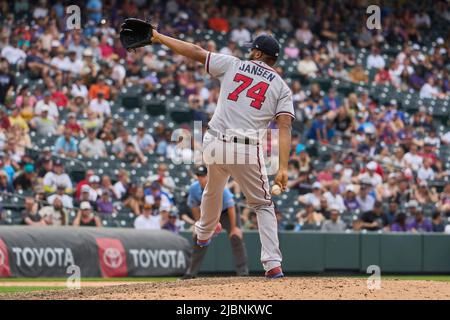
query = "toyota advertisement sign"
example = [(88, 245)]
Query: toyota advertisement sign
[(48, 252)]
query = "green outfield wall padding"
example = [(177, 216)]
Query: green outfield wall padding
[(436, 253), (369, 250), (315, 252), (342, 251), (304, 251), (401, 253)]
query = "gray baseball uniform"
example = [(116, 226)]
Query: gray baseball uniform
[(251, 95)]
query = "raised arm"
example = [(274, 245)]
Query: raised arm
[(187, 49)]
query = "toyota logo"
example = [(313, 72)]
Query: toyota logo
[(2, 258), (112, 258)]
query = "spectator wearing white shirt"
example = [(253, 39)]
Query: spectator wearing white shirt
[(79, 89), (54, 215), (402, 55), (94, 46), (422, 19), (412, 159), (143, 140), (57, 177), (231, 50), (365, 200), (395, 72), (432, 139), (67, 201), (375, 60), (91, 146), (203, 92), (163, 177), (75, 65), (13, 54), (119, 72), (406, 67), (121, 186), (241, 35), (161, 204), (47, 103), (100, 106), (429, 90), (334, 198), (447, 229), (40, 11), (446, 138), (90, 66), (314, 196), (160, 201), (333, 49), (417, 57), (87, 194), (426, 172), (371, 176), (60, 61), (94, 183), (148, 221), (307, 66)]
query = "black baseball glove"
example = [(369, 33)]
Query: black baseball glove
[(135, 33)]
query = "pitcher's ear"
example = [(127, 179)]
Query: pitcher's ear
[(257, 54)]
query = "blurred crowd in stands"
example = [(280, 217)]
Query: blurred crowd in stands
[(383, 175)]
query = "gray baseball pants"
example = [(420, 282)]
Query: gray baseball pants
[(252, 178)]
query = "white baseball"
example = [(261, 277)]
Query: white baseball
[(276, 190)]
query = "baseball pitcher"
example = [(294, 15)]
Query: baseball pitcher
[(251, 95)]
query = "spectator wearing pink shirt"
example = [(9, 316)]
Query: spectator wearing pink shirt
[(292, 51), (105, 49), (23, 94)]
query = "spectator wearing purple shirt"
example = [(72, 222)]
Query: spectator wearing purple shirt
[(420, 223), (400, 223), (446, 81), (171, 224), (104, 203), (182, 23), (351, 204)]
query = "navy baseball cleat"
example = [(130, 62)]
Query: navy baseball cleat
[(205, 243), (274, 273)]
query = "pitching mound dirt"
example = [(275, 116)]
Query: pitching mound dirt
[(253, 288)]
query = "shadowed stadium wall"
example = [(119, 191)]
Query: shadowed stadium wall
[(315, 252)]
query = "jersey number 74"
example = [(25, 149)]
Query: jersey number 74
[(256, 92)]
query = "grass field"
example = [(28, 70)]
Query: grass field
[(11, 285), (407, 277), (419, 277), (13, 289), (7, 285)]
